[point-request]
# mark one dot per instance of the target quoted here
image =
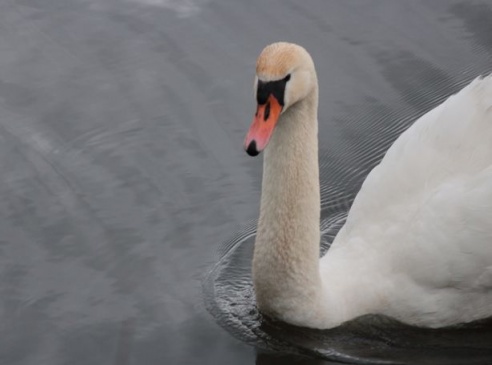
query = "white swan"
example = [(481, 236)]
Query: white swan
[(417, 243)]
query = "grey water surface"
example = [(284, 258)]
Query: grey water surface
[(127, 204)]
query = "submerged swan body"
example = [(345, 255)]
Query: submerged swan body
[(417, 243)]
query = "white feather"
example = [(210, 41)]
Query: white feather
[(418, 237), (417, 243)]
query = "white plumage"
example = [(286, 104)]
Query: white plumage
[(422, 221), (417, 243)]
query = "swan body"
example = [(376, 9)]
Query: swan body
[(417, 243)]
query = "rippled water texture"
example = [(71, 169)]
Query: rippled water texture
[(124, 189)]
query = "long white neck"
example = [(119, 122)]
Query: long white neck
[(286, 257)]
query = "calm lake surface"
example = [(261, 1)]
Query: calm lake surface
[(127, 204)]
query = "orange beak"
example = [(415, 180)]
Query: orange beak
[(261, 129)]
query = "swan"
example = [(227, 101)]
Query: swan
[(417, 242)]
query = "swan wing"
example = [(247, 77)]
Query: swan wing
[(422, 220)]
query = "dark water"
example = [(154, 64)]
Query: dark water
[(124, 183)]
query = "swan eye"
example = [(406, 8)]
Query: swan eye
[(287, 78)]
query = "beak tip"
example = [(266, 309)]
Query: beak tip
[(251, 149)]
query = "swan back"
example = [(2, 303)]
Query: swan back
[(420, 227)]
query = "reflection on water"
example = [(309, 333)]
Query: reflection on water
[(283, 359)]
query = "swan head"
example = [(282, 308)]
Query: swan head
[(285, 75)]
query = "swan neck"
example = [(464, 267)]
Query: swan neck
[(286, 259)]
